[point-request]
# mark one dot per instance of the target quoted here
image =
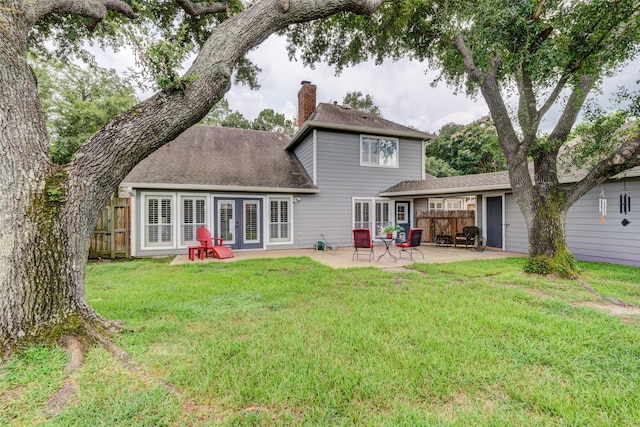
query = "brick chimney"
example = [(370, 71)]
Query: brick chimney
[(306, 101)]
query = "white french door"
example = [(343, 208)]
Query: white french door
[(373, 214), (239, 222)]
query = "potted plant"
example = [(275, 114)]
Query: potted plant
[(390, 229)]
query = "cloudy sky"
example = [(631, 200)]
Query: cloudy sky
[(401, 89)]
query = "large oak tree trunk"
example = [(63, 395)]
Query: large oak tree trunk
[(22, 176), (546, 228), (43, 228)]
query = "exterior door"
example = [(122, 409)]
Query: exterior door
[(239, 222), (494, 221), (403, 219)]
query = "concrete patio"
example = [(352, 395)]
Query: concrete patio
[(341, 257)]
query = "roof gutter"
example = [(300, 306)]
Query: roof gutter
[(225, 188), (441, 191)]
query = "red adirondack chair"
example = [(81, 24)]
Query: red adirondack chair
[(217, 250)]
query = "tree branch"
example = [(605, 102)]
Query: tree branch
[(539, 8), (514, 150), (121, 7), (626, 157), (474, 72), (527, 114), (197, 9), (96, 10), (553, 96), (570, 114)]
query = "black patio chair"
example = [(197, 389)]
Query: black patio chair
[(468, 236)]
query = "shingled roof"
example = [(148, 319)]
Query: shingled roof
[(451, 184), (345, 118), (208, 157)]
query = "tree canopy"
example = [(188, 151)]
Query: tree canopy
[(77, 101), (267, 120), (466, 149), (361, 102)]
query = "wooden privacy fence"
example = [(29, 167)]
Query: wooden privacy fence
[(110, 238), (438, 224)]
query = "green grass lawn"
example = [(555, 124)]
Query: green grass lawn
[(292, 342)]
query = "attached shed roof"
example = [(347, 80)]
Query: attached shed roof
[(469, 184), (210, 158), (451, 184), (345, 118)]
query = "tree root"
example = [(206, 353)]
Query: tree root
[(125, 358), (59, 399), (612, 300), (118, 353), (77, 345)]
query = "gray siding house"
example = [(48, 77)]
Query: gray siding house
[(264, 190), (343, 169)]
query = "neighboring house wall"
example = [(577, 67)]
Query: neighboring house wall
[(341, 179), (587, 238), (420, 205), (479, 212), (449, 203)]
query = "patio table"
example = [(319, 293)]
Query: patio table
[(387, 242)]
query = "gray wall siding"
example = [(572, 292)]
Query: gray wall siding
[(590, 240), (340, 179), (516, 239), (419, 205), (304, 153)]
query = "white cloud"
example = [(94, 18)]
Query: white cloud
[(249, 103), (290, 111)]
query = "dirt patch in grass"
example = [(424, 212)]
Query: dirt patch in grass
[(530, 291), (616, 310), (204, 411), (538, 293), (12, 394)]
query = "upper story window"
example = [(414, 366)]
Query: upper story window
[(378, 151)]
